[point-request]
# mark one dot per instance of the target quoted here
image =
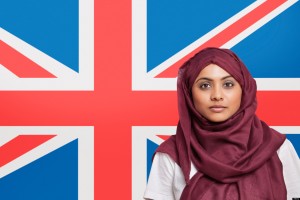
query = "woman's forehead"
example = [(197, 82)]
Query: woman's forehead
[(214, 70)]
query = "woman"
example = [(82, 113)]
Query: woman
[(221, 149)]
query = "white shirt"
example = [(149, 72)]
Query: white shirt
[(166, 180)]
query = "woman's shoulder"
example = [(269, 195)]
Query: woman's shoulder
[(287, 154), (165, 181), (168, 147), (164, 158), (289, 159), (291, 168), (286, 148)]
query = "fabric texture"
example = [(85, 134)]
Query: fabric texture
[(235, 159), (166, 180)]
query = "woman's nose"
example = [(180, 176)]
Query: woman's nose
[(216, 94)]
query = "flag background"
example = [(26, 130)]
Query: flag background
[(113, 108)]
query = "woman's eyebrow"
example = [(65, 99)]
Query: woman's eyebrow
[(229, 76), (209, 79)]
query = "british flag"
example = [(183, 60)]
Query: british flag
[(105, 71)]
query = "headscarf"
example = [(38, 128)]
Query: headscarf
[(236, 158)]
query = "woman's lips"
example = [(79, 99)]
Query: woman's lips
[(217, 108)]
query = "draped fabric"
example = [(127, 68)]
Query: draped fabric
[(235, 159)]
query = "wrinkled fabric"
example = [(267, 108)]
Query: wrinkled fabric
[(236, 159)]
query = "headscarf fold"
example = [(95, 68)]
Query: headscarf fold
[(235, 159)]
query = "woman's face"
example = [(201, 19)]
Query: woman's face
[(216, 94)]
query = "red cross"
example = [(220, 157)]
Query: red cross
[(113, 107)]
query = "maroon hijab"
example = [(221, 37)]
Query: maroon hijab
[(235, 159)]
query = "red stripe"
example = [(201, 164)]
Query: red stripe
[(227, 34), (20, 65), (20, 145), (164, 137)]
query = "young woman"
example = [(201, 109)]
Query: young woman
[(221, 149)]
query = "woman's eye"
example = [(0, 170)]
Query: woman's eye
[(228, 84), (205, 85)]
